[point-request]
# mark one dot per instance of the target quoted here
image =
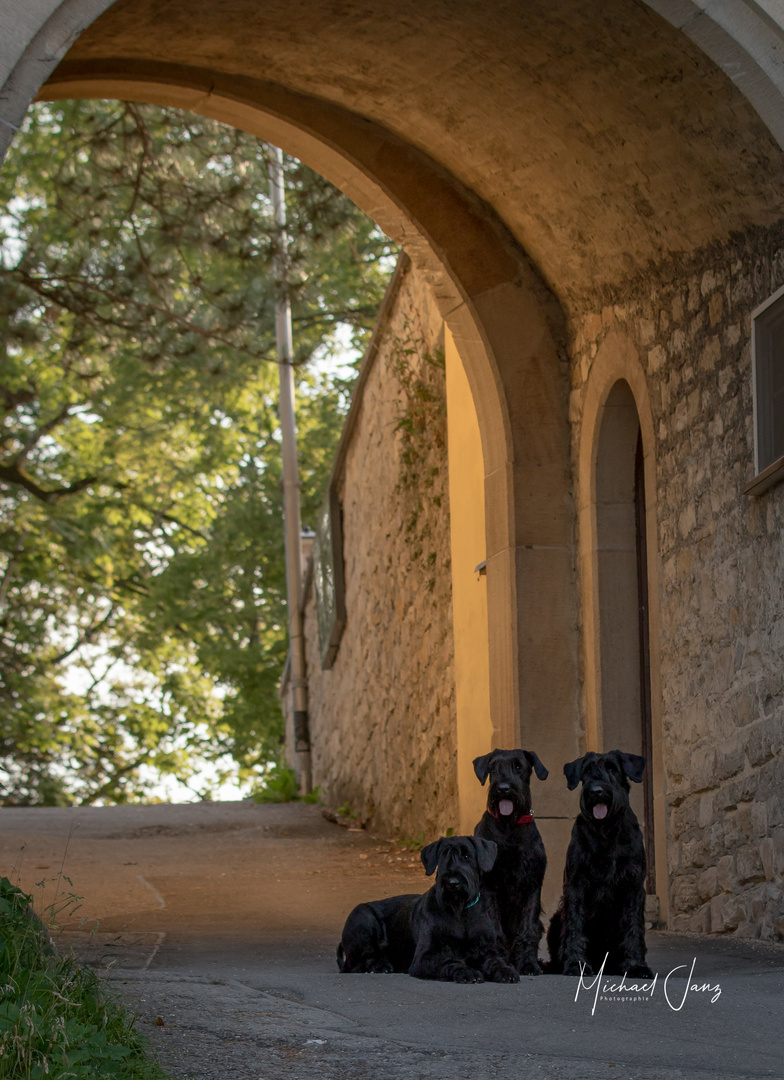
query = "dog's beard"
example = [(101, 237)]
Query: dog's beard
[(507, 804), (601, 809), (456, 894)]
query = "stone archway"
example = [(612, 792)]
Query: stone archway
[(623, 675), (551, 170), (503, 321), (528, 191), (619, 570)]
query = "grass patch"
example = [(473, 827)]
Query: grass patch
[(57, 1020), (416, 843), (280, 786), (412, 843)]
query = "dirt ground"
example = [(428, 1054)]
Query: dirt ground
[(219, 922), (201, 881)]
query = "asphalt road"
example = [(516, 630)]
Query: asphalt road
[(221, 921)]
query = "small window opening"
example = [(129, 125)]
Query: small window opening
[(767, 346)]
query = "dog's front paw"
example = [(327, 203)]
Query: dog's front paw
[(381, 967), (638, 971), (467, 975), (503, 973), (529, 967), (577, 967)]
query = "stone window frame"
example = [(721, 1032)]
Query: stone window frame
[(763, 346)]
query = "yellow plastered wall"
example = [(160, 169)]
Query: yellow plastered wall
[(475, 733)]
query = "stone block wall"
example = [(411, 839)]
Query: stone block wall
[(383, 724), (383, 719), (722, 582)]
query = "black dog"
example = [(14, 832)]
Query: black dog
[(451, 932), (378, 936), (516, 877), (602, 912)]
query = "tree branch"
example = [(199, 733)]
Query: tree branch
[(13, 475), (122, 770), (84, 639), (10, 570), (13, 398), (176, 521), (42, 287), (40, 432)]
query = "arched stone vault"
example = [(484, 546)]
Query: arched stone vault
[(532, 163), (603, 137), (502, 318), (742, 37)]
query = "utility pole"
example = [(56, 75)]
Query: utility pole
[(291, 511)]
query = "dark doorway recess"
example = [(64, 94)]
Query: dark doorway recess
[(622, 563)]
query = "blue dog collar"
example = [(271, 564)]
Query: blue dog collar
[(476, 901)]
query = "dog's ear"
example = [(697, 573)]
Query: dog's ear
[(486, 851), (536, 764), (482, 767), (632, 764), (573, 771), (429, 856)]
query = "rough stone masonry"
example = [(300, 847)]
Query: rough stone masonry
[(383, 718), (722, 582)]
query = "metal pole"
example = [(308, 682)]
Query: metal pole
[(291, 512)]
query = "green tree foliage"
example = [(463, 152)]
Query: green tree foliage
[(141, 545)]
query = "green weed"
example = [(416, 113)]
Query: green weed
[(412, 843), (416, 843), (280, 786), (57, 1020)]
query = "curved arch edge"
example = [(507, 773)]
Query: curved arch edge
[(742, 40), (448, 234), (49, 44), (618, 360)]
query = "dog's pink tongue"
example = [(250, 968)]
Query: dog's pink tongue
[(505, 807), (600, 811)]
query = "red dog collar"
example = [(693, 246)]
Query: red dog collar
[(524, 819)]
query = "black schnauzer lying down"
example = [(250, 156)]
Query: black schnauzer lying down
[(602, 912), (451, 932), (516, 878)]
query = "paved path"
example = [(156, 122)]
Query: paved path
[(221, 920)]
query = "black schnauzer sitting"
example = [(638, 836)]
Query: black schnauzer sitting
[(602, 913), (516, 878), (451, 932)]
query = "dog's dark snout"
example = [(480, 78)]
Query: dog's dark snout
[(503, 786)]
